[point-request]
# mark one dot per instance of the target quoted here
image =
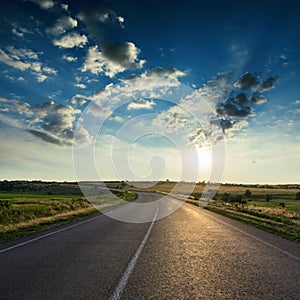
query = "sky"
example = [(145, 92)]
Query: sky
[(150, 90)]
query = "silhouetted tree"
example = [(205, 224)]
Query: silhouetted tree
[(248, 193)]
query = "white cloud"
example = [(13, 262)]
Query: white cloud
[(114, 59), (15, 63), (117, 118), (69, 58), (41, 77), (80, 85), (22, 53), (49, 70), (94, 61), (65, 7), (62, 25), (297, 102), (141, 104), (26, 59), (44, 4), (71, 40)]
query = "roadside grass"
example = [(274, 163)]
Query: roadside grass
[(286, 228), (22, 214), (280, 214)]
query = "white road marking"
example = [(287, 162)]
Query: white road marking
[(125, 277), (48, 234), (255, 238)]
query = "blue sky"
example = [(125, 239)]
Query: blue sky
[(109, 73)]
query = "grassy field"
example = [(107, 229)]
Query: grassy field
[(26, 207), (273, 208), (21, 214)]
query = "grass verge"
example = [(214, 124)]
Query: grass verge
[(24, 214), (283, 227)]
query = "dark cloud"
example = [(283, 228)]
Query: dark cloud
[(115, 57), (250, 81), (237, 106), (247, 81), (268, 84), (124, 54), (258, 99), (51, 122), (49, 138), (99, 20)]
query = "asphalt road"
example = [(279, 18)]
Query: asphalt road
[(191, 254)]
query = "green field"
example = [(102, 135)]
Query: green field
[(21, 214)]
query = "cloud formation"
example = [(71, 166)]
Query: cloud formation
[(51, 122), (108, 57), (71, 40), (141, 104), (116, 59), (26, 59), (44, 4), (62, 25)]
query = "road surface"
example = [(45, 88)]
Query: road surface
[(191, 254)]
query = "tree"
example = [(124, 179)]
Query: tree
[(282, 204), (268, 197), (298, 196), (248, 193)]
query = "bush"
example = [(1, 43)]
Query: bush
[(282, 204), (298, 196), (268, 197), (248, 193)]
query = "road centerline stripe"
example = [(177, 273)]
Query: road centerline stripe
[(119, 289)]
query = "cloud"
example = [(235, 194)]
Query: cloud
[(247, 81), (69, 58), (141, 104), (49, 138), (51, 122), (62, 25), (237, 106), (171, 73), (232, 109), (268, 84), (44, 4), (121, 56), (116, 59), (112, 57), (258, 99), (297, 102), (250, 81), (94, 61), (26, 59), (49, 70), (15, 63), (71, 40), (65, 7), (97, 17), (80, 85)]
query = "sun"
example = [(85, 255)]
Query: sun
[(204, 157)]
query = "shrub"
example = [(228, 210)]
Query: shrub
[(282, 204), (268, 197), (248, 193)]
